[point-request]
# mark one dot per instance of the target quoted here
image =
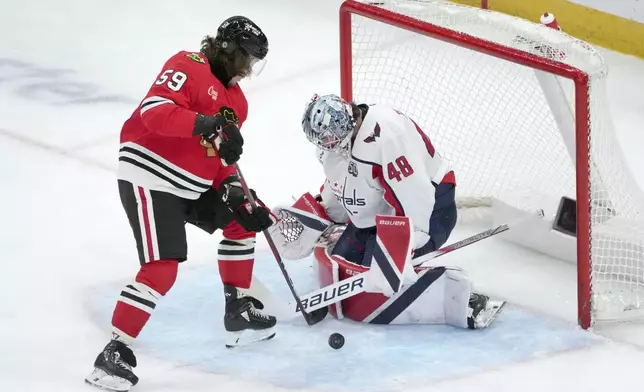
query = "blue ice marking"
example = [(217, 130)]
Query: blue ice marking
[(187, 328)]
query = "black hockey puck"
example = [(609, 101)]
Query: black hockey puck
[(336, 340)]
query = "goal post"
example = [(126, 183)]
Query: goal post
[(485, 87)]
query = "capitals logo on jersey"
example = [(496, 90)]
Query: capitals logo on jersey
[(353, 201), (347, 200), (336, 188), (375, 134)]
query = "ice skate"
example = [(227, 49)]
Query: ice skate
[(244, 322), (113, 368), (483, 311)]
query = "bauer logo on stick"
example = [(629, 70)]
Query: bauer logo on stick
[(342, 290)]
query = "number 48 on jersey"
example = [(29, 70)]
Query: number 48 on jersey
[(399, 169)]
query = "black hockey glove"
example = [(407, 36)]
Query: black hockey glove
[(251, 219), (222, 132)]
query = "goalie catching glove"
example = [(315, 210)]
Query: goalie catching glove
[(251, 219), (299, 227)]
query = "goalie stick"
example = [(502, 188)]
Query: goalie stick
[(311, 317), (460, 244), (354, 285)]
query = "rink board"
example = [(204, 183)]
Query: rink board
[(187, 329)]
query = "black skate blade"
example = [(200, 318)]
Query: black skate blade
[(489, 314), (102, 380), (248, 336)]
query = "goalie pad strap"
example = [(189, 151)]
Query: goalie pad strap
[(312, 205), (313, 222)]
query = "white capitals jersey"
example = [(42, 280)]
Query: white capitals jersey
[(393, 170)]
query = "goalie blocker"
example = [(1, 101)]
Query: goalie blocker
[(392, 290)]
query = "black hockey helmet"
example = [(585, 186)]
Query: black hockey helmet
[(241, 32), (239, 50)]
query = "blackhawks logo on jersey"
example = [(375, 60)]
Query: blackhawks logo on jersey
[(231, 117), (228, 114), (195, 57)]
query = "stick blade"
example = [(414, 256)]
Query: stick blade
[(317, 315)]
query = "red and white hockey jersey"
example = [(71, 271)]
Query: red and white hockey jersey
[(393, 170), (157, 149)]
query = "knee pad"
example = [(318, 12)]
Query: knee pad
[(159, 275)]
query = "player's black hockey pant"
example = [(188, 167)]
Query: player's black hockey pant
[(158, 219)]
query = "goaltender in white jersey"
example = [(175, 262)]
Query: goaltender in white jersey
[(379, 164), (390, 167)]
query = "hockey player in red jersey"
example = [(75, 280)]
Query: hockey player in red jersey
[(175, 166)]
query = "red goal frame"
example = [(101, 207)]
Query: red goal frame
[(582, 102)]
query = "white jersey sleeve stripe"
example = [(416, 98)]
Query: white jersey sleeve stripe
[(153, 102)]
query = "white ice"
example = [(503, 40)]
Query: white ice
[(71, 72)]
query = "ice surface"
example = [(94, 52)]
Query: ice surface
[(67, 246), (187, 328)]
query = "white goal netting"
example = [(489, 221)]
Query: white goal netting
[(509, 129)]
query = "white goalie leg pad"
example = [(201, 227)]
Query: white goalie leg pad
[(457, 297), (417, 303), (440, 296)]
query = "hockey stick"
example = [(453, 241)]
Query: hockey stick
[(461, 244), (311, 318), (354, 285), (475, 238)]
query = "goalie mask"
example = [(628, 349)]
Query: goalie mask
[(328, 123)]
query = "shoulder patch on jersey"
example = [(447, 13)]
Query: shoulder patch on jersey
[(353, 168), (212, 91), (196, 57), (375, 134)]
